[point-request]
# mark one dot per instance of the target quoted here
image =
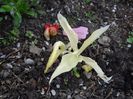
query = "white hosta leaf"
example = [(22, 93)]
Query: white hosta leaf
[(68, 62), (97, 68), (95, 35), (58, 49), (73, 38)]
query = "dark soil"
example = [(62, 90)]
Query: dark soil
[(21, 80)]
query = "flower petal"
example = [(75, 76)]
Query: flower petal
[(80, 31)]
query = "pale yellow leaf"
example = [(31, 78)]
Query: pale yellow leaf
[(68, 62), (58, 49), (97, 68), (95, 35), (72, 36)]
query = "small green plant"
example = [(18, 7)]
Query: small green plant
[(10, 38), (88, 1), (130, 37), (75, 72), (29, 34), (90, 15), (16, 8), (71, 59)]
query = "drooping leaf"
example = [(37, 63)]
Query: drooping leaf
[(68, 62), (95, 35), (58, 49), (73, 38), (97, 68)]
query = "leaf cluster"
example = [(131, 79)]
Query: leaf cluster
[(16, 8)]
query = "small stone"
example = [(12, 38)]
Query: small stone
[(18, 45), (118, 94), (42, 59), (35, 50), (105, 40), (129, 45), (42, 91), (105, 23), (78, 97), (18, 55), (88, 75), (53, 92), (27, 69), (79, 19), (84, 87), (114, 23), (107, 63), (43, 48), (113, 10), (5, 73), (115, 7), (29, 61), (131, 73), (58, 86), (8, 81), (1, 53), (52, 9), (76, 91), (47, 43), (69, 97), (81, 82), (8, 65), (63, 95), (3, 56), (47, 78)]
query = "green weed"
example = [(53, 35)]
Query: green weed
[(16, 9), (130, 37)]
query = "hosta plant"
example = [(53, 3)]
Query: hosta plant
[(71, 59)]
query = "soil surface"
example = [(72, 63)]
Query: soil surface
[(22, 69)]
